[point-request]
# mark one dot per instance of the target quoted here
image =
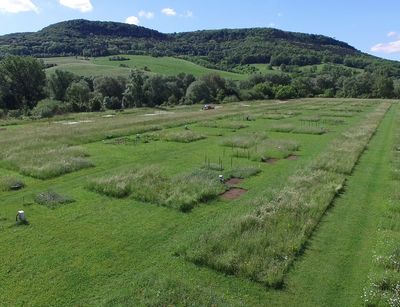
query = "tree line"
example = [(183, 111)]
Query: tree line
[(25, 89)]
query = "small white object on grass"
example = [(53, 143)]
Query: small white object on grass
[(21, 216), (221, 178)]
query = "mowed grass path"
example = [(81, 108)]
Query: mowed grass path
[(334, 269)]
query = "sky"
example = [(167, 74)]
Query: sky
[(369, 25)]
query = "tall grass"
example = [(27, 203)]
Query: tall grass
[(269, 148), (152, 185), (186, 136), (242, 172), (345, 151), (310, 130), (243, 141), (282, 128), (44, 162), (262, 245)]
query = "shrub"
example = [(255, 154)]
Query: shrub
[(47, 108)]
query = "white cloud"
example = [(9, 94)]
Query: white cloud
[(392, 34), (17, 6), (80, 5), (272, 24), (279, 14), (168, 11), (147, 15), (132, 20), (392, 47), (187, 14)]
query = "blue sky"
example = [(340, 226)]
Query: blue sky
[(369, 25)]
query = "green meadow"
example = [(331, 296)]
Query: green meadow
[(129, 208), (161, 65)]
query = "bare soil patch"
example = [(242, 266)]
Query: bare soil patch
[(234, 181), (233, 193), (292, 157)]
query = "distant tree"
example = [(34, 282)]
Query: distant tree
[(96, 102), (383, 87), (198, 92), (264, 91), (78, 94), (285, 92), (303, 86), (59, 82), (22, 82), (110, 86), (134, 94), (155, 90)]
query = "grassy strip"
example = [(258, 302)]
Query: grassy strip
[(223, 125), (186, 136), (243, 141), (289, 128), (47, 162), (151, 185), (242, 172), (286, 128), (310, 130), (350, 145), (384, 280), (267, 149), (262, 245)]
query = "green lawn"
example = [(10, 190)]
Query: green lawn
[(161, 65), (101, 250)]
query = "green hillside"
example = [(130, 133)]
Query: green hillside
[(224, 49), (160, 65)]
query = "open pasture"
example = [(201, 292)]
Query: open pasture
[(162, 65), (130, 209)]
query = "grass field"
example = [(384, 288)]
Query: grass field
[(144, 220), (161, 65)]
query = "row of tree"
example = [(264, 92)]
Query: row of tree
[(23, 84)]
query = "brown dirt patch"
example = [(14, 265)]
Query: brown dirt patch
[(234, 181), (233, 193), (292, 157), (270, 160)]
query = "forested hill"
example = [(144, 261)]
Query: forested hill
[(222, 49)]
